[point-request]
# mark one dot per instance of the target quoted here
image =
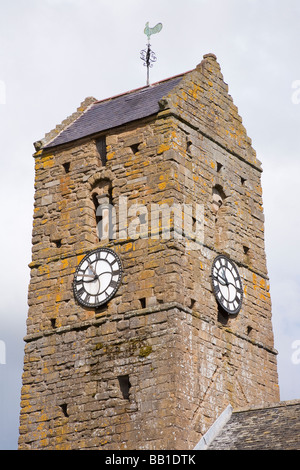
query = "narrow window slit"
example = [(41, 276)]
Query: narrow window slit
[(249, 330), (101, 148), (143, 302), (188, 146), (66, 167), (64, 408), (125, 385), (53, 322), (219, 167)]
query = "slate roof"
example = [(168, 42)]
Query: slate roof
[(116, 111), (274, 427)]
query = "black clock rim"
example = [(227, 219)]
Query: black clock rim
[(103, 302), (227, 310)]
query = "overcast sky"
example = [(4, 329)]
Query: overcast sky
[(55, 53)]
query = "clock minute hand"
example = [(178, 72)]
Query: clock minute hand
[(92, 269)]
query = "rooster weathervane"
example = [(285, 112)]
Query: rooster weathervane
[(147, 55)]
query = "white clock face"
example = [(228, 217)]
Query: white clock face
[(227, 284), (97, 277)]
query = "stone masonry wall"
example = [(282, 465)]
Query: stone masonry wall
[(156, 366)]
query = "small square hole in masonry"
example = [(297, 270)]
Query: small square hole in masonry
[(64, 408), (135, 148), (66, 167), (57, 243), (222, 316), (125, 385)]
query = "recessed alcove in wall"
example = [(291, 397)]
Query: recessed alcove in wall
[(189, 144), (125, 385), (247, 254), (57, 243), (135, 148), (66, 167), (218, 197), (222, 316), (101, 148), (102, 201), (249, 330), (64, 409)]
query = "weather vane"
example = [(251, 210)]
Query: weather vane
[(147, 55)]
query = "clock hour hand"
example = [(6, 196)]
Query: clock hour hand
[(93, 278), (222, 280)]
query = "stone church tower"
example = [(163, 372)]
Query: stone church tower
[(149, 304)]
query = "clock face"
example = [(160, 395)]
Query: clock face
[(227, 285), (97, 277)]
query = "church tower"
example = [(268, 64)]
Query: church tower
[(149, 304)]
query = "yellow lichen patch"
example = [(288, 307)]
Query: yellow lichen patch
[(263, 284), (44, 269), (110, 155), (128, 247), (163, 148), (64, 263), (48, 162), (162, 185), (79, 258), (184, 95), (195, 91)]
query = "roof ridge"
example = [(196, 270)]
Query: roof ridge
[(114, 112), (146, 87)]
